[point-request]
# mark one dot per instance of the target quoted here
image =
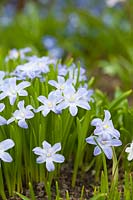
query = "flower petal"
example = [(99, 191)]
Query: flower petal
[(96, 122), (107, 115), (21, 104), (23, 93), (22, 123), (3, 95), (5, 157), (73, 110), (50, 165), (2, 106), (10, 120), (108, 152), (38, 151), (97, 150), (12, 99), (41, 159), (2, 121), (42, 99), (91, 140), (56, 147), (46, 145), (45, 111), (29, 115), (128, 149), (23, 85), (6, 144), (58, 158), (130, 156)]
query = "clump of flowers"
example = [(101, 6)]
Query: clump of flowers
[(105, 136), (14, 54)]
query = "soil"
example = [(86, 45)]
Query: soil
[(65, 185)]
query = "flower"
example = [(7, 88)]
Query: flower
[(22, 114), (111, 3), (48, 154), (50, 103), (61, 84), (105, 127), (2, 119), (103, 144), (129, 150), (77, 74), (74, 99), (14, 54), (5, 145), (34, 68), (105, 136), (11, 90)]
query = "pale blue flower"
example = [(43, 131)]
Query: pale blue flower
[(56, 52), (112, 3), (34, 68), (73, 99), (105, 127), (2, 119), (77, 74), (50, 103), (22, 114), (129, 150), (49, 42), (62, 70), (11, 90), (48, 154), (103, 144), (61, 84), (5, 145), (14, 54)]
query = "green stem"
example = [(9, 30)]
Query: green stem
[(105, 172), (2, 193)]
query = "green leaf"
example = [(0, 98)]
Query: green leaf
[(118, 100), (22, 196), (98, 196)]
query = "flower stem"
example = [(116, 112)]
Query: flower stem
[(105, 172)]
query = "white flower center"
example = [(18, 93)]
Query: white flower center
[(62, 87), (22, 114), (48, 154), (50, 105), (72, 98), (105, 126), (15, 54), (103, 142), (12, 91)]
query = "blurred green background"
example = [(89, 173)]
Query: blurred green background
[(98, 33)]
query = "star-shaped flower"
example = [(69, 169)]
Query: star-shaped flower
[(22, 114), (11, 90), (103, 144), (50, 103), (73, 99), (105, 127), (48, 154)]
